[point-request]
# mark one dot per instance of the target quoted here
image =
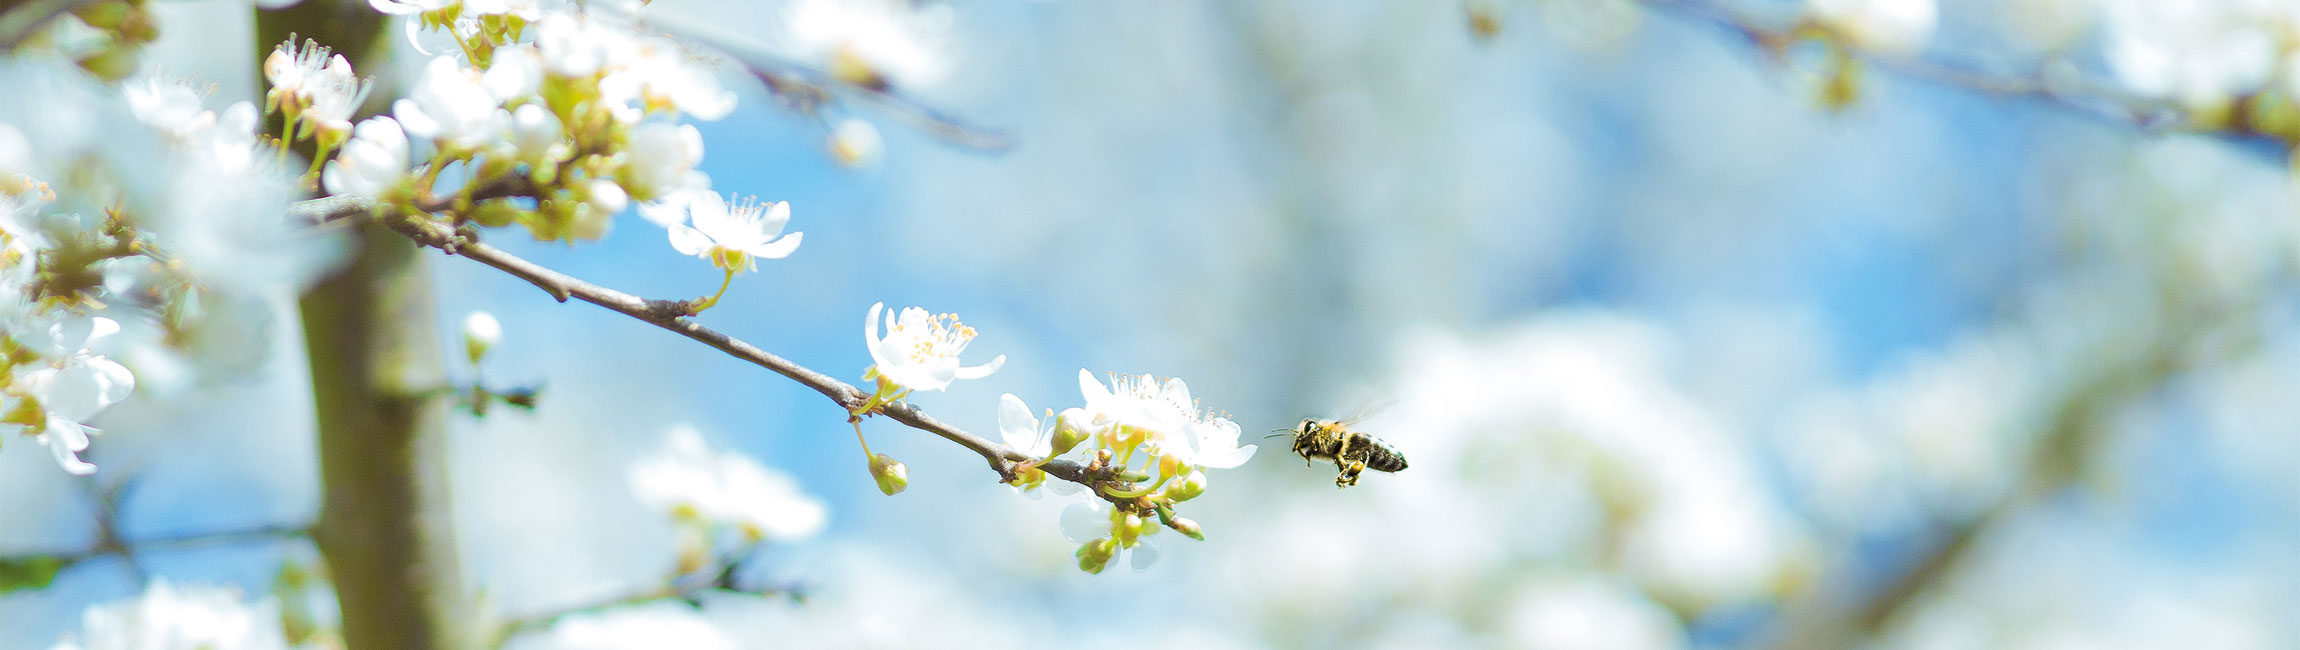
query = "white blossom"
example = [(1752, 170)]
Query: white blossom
[(373, 162), (513, 72), (70, 386), (450, 104), (1020, 429), (480, 332), (659, 72), (662, 162), (1165, 415), (920, 352), (405, 7), (169, 617), (689, 478), (537, 134), (309, 82), (1895, 26), (575, 46), (167, 104), (856, 143), (873, 42), (2201, 53), (733, 237)]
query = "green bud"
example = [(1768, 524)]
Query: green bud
[(495, 214), (892, 476), (1185, 526), (1128, 527), (1192, 485), (1067, 434), (103, 15), (111, 63), (1095, 556)]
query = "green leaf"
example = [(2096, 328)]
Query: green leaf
[(33, 572)]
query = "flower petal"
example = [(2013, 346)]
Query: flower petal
[(1090, 388), (69, 458), (777, 249), (1226, 458), (1144, 554), (777, 214), (981, 371), (870, 336), (1015, 424), (1085, 521), (689, 241)]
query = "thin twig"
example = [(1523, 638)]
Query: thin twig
[(1826, 618), (123, 546), (2055, 83), (671, 315), (808, 88)]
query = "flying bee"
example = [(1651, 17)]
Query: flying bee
[(1352, 451)]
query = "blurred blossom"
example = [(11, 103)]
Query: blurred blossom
[(449, 104), (689, 479), (872, 43), (856, 143), (190, 617), (635, 627), (2201, 53), (373, 163), (1588, 614), (1895, 26)]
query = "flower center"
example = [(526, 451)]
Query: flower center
[(944, 337)]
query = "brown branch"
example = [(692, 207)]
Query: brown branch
[(2056, 82), (672, 315), (807, 88), (2063, 456), (115, 545)]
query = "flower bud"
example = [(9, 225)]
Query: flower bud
[(1095, 556), (480, 332), (856, 144), (1128, 527), (1067, 432), (891, 475), (1192, 485), (1185, 526)]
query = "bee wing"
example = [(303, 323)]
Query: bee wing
[(1367, 409)]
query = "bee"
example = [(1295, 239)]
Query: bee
[(1352, 451)]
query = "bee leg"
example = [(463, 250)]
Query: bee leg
[(1349, 475)]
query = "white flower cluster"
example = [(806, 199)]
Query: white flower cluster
[(171, 617), (1145, 440), (1136, 417), (580, 104), (723, 489), (172, 210)]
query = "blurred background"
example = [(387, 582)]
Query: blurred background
[(1680, 355)]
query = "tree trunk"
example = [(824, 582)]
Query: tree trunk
[(387, 518), (386, 524)]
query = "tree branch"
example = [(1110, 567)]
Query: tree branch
[(2056, 82), (671, 315), (1828, 618)]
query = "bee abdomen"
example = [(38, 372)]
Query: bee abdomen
[(1383, 458)]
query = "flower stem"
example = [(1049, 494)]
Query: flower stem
[(319, 157), (712, 301), (287, 138), (859, 438)]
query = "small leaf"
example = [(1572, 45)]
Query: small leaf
[(34, 572)]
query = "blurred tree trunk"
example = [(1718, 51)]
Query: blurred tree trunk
[(386, 524)]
